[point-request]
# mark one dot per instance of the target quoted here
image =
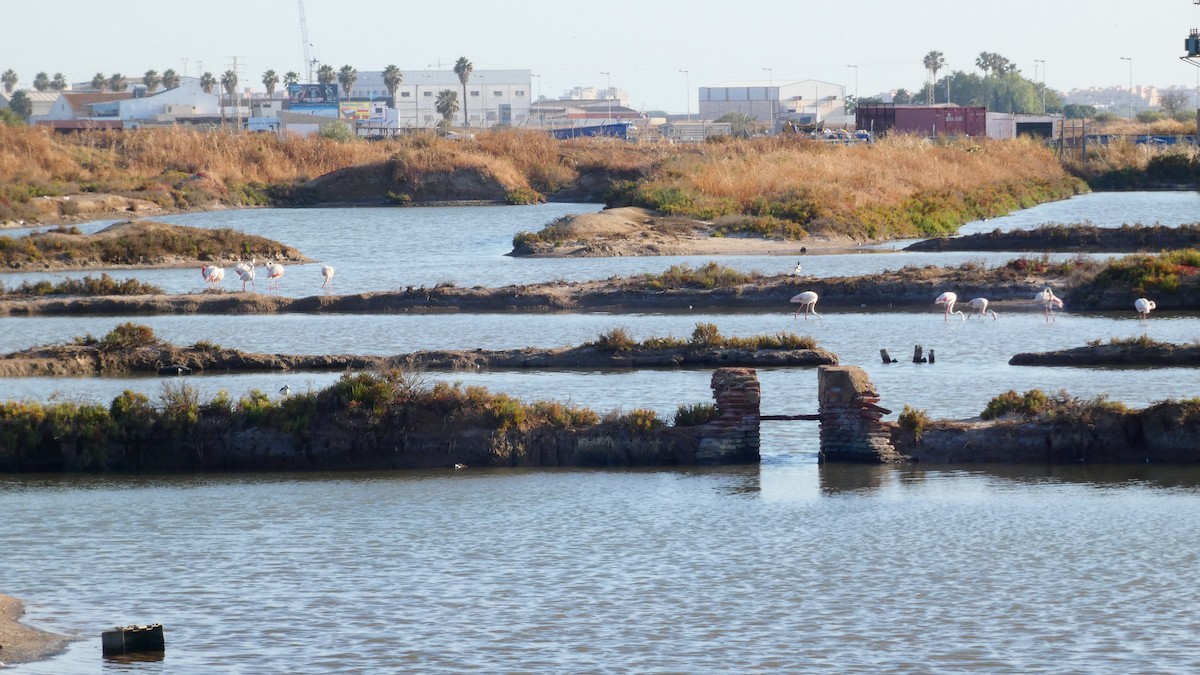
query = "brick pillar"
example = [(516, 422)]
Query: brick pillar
[(732, 438), (852, 429)]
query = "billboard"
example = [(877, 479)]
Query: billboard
[(355, 110), (312, 95)]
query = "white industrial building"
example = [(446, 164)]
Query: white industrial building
[(803, 102), (494, 97)]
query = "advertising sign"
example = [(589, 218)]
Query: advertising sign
[(312, 95), (355, 110)]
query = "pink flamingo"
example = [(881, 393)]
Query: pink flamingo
[(246, 273), (212, 274), (980, 305), (948, 299), (1046, 298), (327, 272), (808, 303), (274, 271), (1143, 307)]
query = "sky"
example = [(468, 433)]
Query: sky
[(659, 53)]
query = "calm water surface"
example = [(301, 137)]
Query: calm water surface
[(782, 567)]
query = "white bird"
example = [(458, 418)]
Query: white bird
[(808, 303), (246, 274), (212, 275), (980, 305), (285, 390), (1046, 298), (1143, 307), (948, 299), (238, 268), (327, 272), (274, 271), (797, 270)]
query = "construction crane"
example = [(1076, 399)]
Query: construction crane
[(308, 60)]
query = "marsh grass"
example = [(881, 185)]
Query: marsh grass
[(704, 336), (89, 285)]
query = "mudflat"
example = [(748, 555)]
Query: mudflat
[(20, 643)]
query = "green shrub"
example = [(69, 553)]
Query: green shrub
[(521, 195), (615, 340), (706, 335), (696, 414), (1030, 404), (642, 420), (914, 420), (127, 336)]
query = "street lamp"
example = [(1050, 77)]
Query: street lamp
[(541, 113), (1130, 60), (687, 83), (1035, 69), (771, 97), (608, 95)]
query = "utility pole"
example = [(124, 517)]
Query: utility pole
[(1130, 60)]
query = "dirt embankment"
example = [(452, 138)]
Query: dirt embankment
[(20, 643), (1131, 353), (96, 359), (1071, 238)]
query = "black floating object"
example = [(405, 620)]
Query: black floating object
[(133, 640), (931, 357), (175, 369)]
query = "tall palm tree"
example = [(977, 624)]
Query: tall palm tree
[(99, 81), (207, 82), (269, 80), (59, 83), (463, 68), (41, 81), (9, 79), (229, 82), (347, 76), (151, 79), (446, 104), (934, 61), (392, 77), (325, 74), (170, 79), (291, 77), (118, 82)]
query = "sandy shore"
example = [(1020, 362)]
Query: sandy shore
[(20, 643)]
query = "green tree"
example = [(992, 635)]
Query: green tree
[(208, 82), (151, 79), (325, 75), (9, 79), (170, 79), (59, 83), (270, 80), (99, 81), (337, 130), (1148, 116), (740, 124), (9, 118), (347, 76), (117, 82), (392, 77), (902, 97), (291, 77), (463, 68), (41, 81), (933, 61), (446, 104), (229, 82), (20, 104)]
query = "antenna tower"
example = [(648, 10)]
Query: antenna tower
[(308, 61)]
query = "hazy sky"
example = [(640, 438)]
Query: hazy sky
[(642, 45)]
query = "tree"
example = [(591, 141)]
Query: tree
[(207, 82), (41, 81), (269, 80), (59, 83), (1078, 111), (291, 77), (934, 61), (20, 104), (325, 74), (229, 82), (9, 79), (740, 124), (99, 81), (446, 104), (902, 97), (170, 79), (392, 77), (1149, 116), (9, 118), (463, 68), (1172, 100), (347, 76), (151, 79), (117, 82)]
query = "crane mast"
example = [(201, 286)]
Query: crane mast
[(304, 38)]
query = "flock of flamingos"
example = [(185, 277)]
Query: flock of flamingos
[(213, 275), (1045, 297)]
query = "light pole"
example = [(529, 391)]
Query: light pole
[(608, 95), (1130, 60), (771, 97), (1042, 62), (855, 67), (687, 84), (541, 114)]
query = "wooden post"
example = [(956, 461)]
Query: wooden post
[(883, 354), (917, 357), (931, 355)]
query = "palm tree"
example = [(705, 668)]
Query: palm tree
[(325, 74), (347, 76), (392, 77), (59, 83), (99, 81), (269, 80), (291, 77), (446, 104), (41, 81), (170, 79), (229, 82), (463, 68), (117, 82), (9, 79), (151, 79), (207, 82), (934, 61)]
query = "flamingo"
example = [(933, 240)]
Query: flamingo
[(948, 299), (242, 266), (808, 303), (327, 272), (980, 305), (1049, 300), (1143, 307), (246, 273), (274, 271), (212, 274)]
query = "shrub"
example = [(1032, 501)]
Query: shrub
[(914, 420), (642, 420), (127, 336), (615, 340), (1030, 404), (706, 335), (520, 195), (695, 414)]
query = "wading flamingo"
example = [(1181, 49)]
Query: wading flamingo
[(948, 299), (212, 274), (808, 303), (274, 271), (243, 266), (246, 274), (979, 305), (1046, 298), (327, 272), (1143, 307)]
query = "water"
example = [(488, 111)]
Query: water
[(785, 566)]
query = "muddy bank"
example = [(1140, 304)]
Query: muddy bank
[(1121, 353), (20, 643), (1070, 238)]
